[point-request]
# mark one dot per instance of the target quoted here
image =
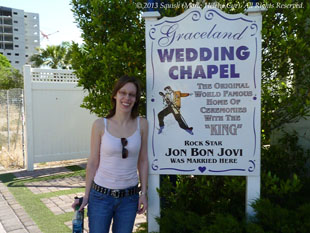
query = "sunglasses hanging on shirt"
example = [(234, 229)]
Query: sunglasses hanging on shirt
[(124, 150)]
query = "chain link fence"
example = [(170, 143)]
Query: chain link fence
[(12, 128)]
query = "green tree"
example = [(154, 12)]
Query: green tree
[(285, 66), (54, 56), (4, 62), (9, 77), (113, 32)]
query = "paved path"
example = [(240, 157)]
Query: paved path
[(14, 219)]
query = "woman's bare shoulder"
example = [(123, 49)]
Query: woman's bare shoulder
[(143, 123), (99, 124)]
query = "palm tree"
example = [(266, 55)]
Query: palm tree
[(54, 56)]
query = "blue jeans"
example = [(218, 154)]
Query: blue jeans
[(103, 208)]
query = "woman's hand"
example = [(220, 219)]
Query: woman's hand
[(142, 206), (76, 202)]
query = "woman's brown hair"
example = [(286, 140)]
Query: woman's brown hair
[(118, 85)]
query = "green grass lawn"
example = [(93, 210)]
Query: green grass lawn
[(41, 215)]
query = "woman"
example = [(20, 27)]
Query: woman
[(118, 150)]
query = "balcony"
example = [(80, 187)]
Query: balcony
[(4, 20), (6, 31), (5, 11), (8, 46), (6, 38)]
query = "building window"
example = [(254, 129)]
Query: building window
[(15, 13), (26, 55), (8, 38), (15, 29), (16, 62), (7, 21), (15, 21), (15, 38), (8, 30), (9, 54), (25, 16), (16, 46), (16, 54), (8, 46), (34, 17)]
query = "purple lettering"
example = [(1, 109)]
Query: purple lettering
[(179, 55), (204, 57), (196, 35), (166, 56), (242, 53), (169, 35), (209, 34), (233, 73), (187, 72), (212, 69), (191, 54), (171, 72), (199, 72), (223, 71), (227, 54), (216, 53), (238, 36)]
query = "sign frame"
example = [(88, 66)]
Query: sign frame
[(253, 180)]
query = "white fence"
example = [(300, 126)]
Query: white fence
[(57, 128)]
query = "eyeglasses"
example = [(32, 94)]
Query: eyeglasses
[(124, 150), (124, 93)]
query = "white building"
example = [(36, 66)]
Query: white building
[(19, 35)]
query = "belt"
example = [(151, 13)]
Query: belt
[(116, 193)]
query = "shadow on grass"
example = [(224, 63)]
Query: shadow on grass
[(36, 209)]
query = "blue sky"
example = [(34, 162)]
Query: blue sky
[(55, 15)]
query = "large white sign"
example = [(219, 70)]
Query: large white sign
[(203, 93)]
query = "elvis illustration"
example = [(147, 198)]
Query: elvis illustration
[(172, 102)]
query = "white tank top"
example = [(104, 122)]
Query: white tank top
[(113, 171)]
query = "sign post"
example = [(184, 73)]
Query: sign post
[(203, 97), (253, 182), (153, 181)]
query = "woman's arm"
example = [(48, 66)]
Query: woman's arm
[(143, 166), (93, 160)]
